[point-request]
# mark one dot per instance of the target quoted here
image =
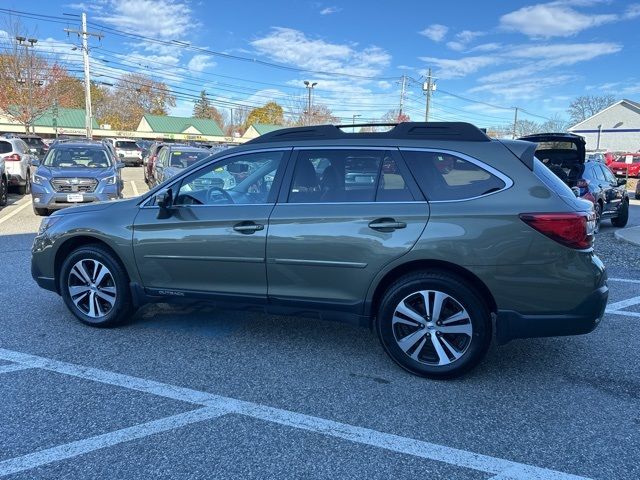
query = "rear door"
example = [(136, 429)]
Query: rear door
[(342, 215)]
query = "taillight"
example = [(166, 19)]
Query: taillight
[(574, 230), (12, 158)]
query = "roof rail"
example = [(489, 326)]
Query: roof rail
[(459, 131)]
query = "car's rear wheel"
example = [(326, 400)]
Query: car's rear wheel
[(3, 191), (26, 188), (434, 325), (95, 287), (623, 216)]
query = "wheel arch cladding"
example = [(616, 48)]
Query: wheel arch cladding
[(432, 266), (76, 242)]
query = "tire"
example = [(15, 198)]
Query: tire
[(41, 212), (105, 303), (458, 352), (26, 188), (637, 196), (598, 209), (3, 191), (623, 216)]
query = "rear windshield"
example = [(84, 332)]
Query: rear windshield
[(5, 147), (33, 141), (557, 146), (623, 159), (186, 159), (78, 157), (127, 145)]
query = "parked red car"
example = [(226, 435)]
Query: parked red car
[(620, 167), (601, 156)]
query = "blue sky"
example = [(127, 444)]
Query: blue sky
[(537, 56)]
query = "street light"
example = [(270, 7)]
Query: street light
[(309, 86), (353, 121)]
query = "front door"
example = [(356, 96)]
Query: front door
[(213, 241), (345, 213)]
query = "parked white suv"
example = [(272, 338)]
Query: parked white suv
[(127, 151), (17, 159)]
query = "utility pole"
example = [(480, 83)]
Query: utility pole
[(29, 43), (515, 122), (428, 87), (309, 86), (87, 77), (402, 93)]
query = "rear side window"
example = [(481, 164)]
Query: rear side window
[(127, 145), (444, 176), (5, 147)]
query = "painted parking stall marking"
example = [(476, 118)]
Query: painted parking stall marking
[(215, 406)]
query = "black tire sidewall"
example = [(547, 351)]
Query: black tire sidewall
[(478, 313), (122, 308), (4, 191), (623, 217)]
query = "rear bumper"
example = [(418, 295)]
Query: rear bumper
[(583, 319)]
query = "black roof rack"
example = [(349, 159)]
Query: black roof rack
[(459, 131)]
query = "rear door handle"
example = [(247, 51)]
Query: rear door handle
[(248, 227), (386, 224)]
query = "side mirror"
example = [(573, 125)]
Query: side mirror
[(164, 200), (622, 181), (35, 163), (119, 165)]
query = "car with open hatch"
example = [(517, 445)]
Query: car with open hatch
[(421, 233)]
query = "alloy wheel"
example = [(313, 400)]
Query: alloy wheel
[(432, 327), (92, 288)]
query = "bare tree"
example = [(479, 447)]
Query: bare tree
[(588, 105), (527, 127), (555, 124)]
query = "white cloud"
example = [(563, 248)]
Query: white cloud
[(565, 54), (330, 10), (199, 62), (633, 11), (486, 47), (292, 47), (435, 32), (555, 19), (461, 67), (527, 88)]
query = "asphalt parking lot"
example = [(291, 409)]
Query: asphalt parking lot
[(200, 393)]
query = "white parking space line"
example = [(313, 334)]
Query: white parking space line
[(612, 307), (80, 447), (624, 313), (626, 280), (16, 211), (405, 445), (134, 188), (14, 367)]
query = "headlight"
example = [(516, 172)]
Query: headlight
[(47, 222), (111, 180), (38, 179)]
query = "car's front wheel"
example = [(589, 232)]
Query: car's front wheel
[(26, 188), (623, 216), (95, 287), (434, 325)]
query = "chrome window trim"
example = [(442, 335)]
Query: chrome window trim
[(219, 159), (508, 182), (410, 202)]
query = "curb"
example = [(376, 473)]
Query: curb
[(628, 235)]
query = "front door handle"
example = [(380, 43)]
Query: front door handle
[(248, 227), (386, 225)]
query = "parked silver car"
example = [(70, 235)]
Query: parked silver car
[(17, 157)]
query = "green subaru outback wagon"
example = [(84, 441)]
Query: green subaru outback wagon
[(432, 234)]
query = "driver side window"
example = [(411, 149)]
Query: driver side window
[(238, 180)]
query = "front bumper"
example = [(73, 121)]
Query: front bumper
[(583, 319), (43, 197)]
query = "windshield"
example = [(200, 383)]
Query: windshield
[(127, 145), (180, 159), (77, 157), (33, 141)]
